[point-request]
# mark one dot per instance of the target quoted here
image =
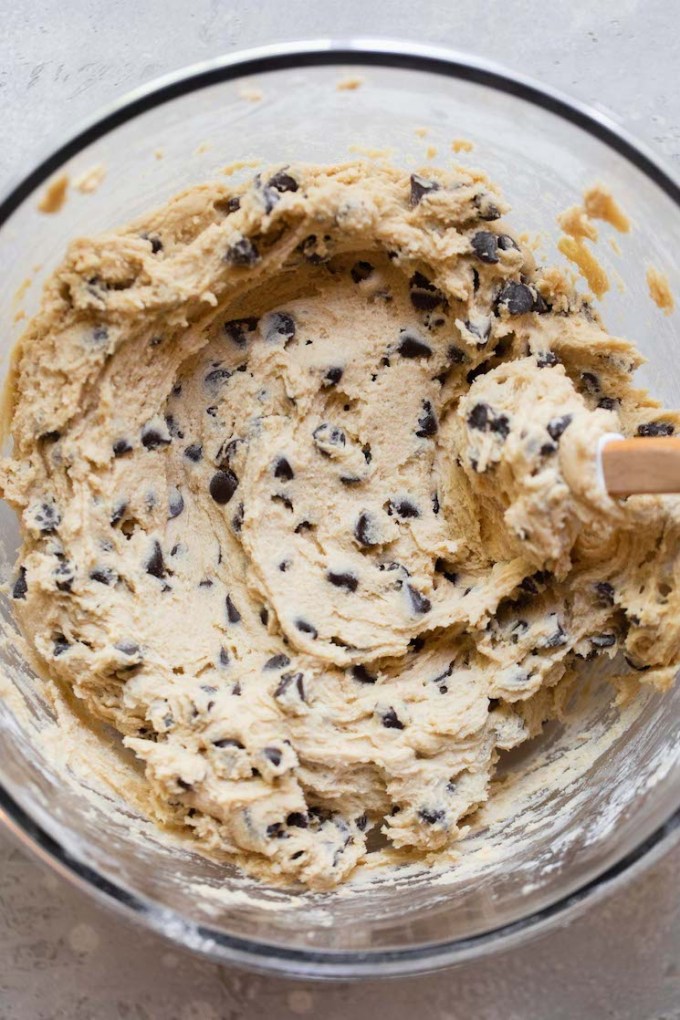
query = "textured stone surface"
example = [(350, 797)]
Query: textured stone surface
[(60, 955)]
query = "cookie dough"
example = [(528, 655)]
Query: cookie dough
[(309, 508)]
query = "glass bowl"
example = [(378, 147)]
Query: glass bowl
[(591, 799)]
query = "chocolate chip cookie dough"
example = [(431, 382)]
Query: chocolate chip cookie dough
[(309, 509)]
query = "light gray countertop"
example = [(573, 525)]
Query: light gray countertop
[(61, 956)]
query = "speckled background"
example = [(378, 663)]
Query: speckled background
[(63, 957)]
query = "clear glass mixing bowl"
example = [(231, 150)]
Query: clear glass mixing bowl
[(595, 795)]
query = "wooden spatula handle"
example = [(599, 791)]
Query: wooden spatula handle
[(645, 465)]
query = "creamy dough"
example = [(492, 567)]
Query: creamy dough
[(306, 483)]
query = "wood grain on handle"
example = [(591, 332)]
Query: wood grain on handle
[(637, 466)]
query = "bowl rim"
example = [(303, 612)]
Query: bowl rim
[(254, 954)]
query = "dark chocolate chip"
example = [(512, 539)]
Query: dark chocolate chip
[(431, 816), (455, 355), (435, 503), (427, 422), (274, 755), (328, 435), (607, 403), (279, 661), (416, 644), (605, 592), (64, 576), (557, 426), (223, 485), (343, 580), (303, 526), (233, 614), (486, 207), (280, 326), (485, 246), (479, 329), (420, 187), (441, 567), (224, 657), (421, 604), (152, 438), (548, 449), (47, 518), (516, 297), (296, 820), (215, 377), (155, 565), (236, 330), (231, 742), (194, 452), (656, 428), (60, 645), (264, 616), (404, 508), (283, 470), (366, 531), (289, 680), (546, 359), (242, 253), (20, 585), (590, 382), (306, 628), (506, 243), (603, 640), (362, 675), (175, 503), (282, 181), (411, 346), (333, 376), (484, 419), (391, 720), (118, 513), (237, 519), (361, 270)]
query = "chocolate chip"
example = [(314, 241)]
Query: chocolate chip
[(306, 628), (607, 403), (484, 419), (283, 470), (242, 253), (421, 604), (215, 377), (361, 271), (64, 576), (404, 508), (455, 355), (296, 820), (427, 422), (605, 592), (231, 742), (411, 346), (548, 449), (366, 531), (303, 526), (480, 329), (391, 720), (282, 181), (416, 644), (516, 297), (236, 330), (343, 580), (175, 503), (555, 640), (486, 207), (441, 567), (20, 585), (118, 513), (656, 428), (556, 426), (233, 614), (279, 326), (223, 485), (603, 640), (47, 518), (100, 334), (155, 565), (194, 452), (362, 675), (590, 382), (424, 295), (431, 816), (546, 359), (485, 246), (333, 376), (328, 438), (223, 657), (507, 243), (279, 661), (420, 187), (152, 438), (60, 645), (289, 680), (274, 755), (129, 648), (237, 519), (155, 242)]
